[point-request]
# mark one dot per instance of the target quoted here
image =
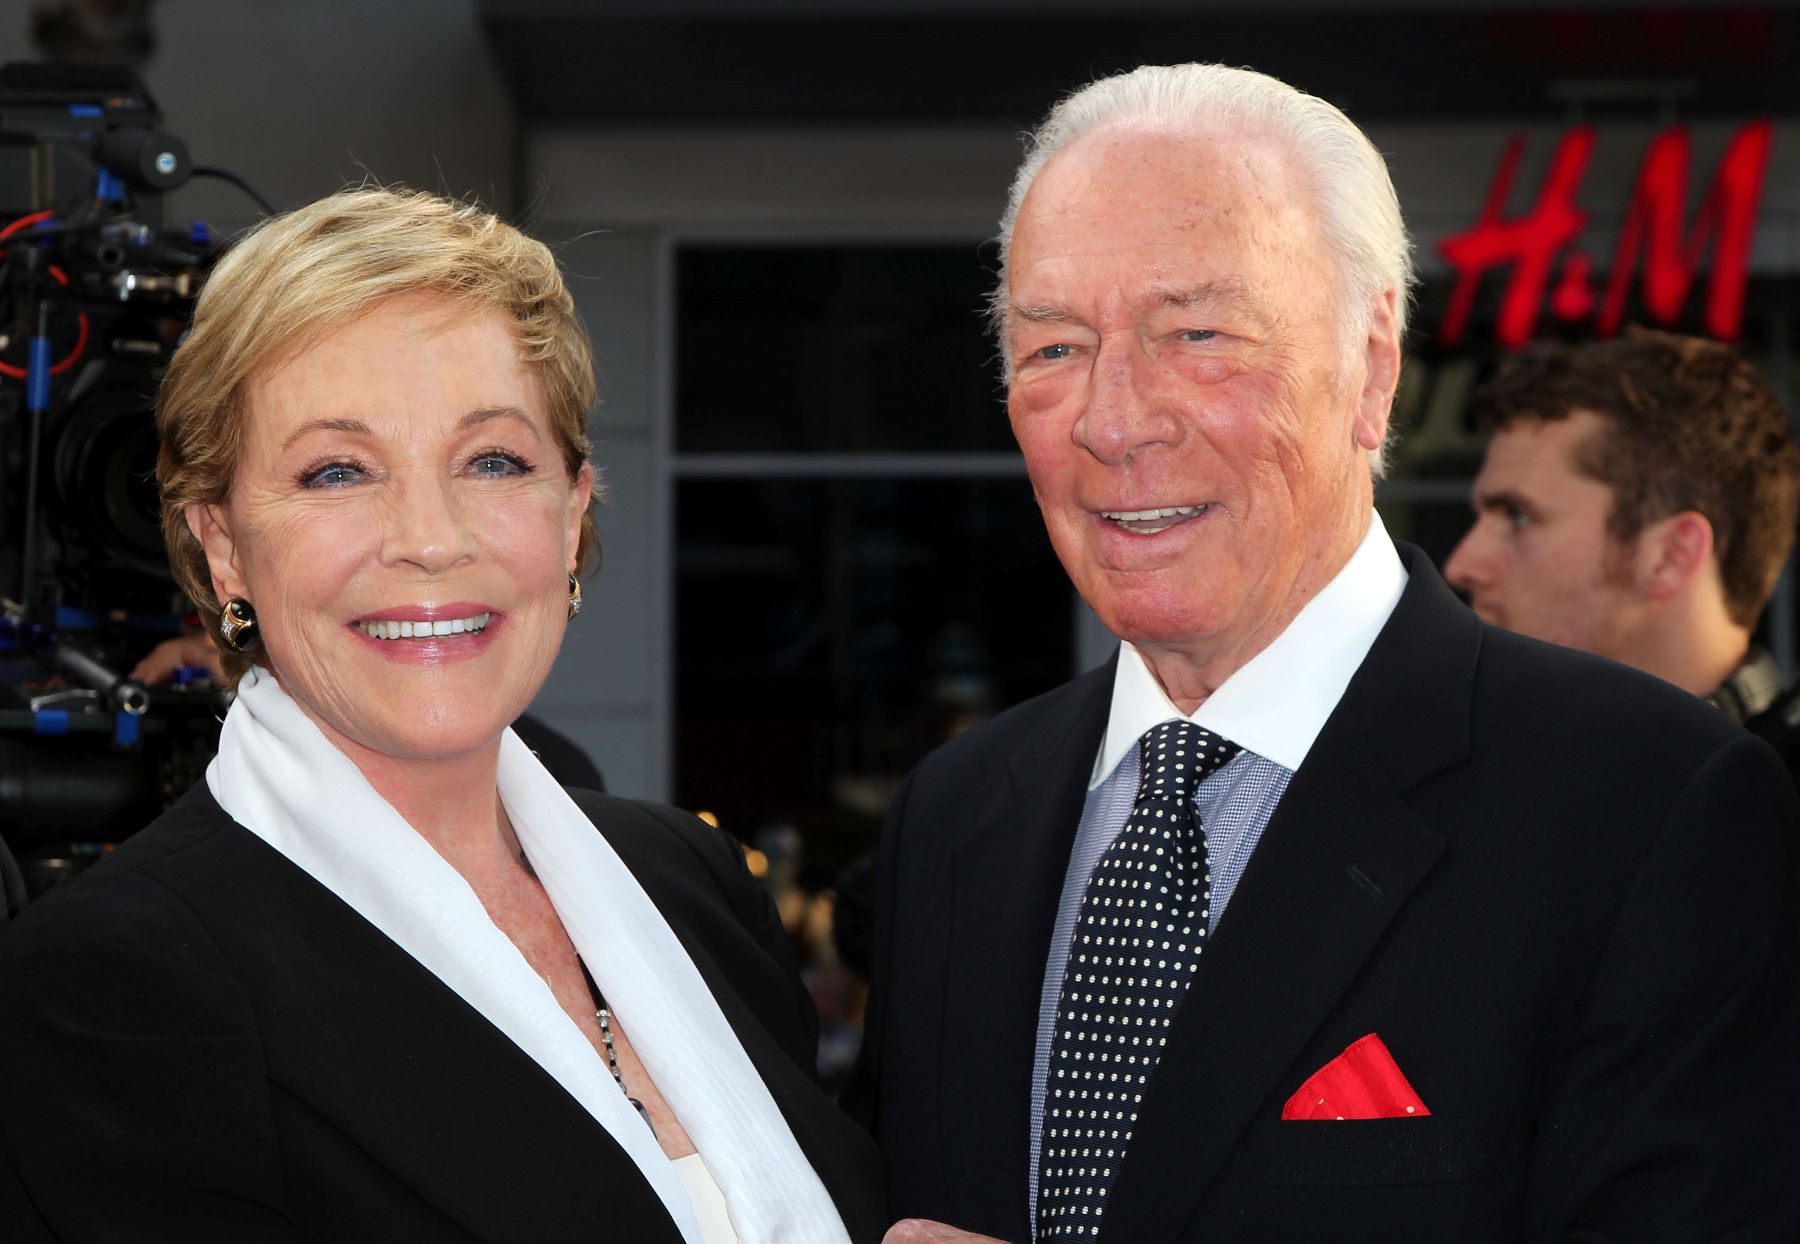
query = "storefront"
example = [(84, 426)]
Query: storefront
[(831, 557)]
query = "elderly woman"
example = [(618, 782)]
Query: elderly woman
[(379, 977)]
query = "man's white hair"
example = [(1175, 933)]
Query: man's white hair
[(1353, 195)]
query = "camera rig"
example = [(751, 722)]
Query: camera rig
[(96, 291)]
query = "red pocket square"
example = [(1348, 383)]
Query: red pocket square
[(1364, 1082)]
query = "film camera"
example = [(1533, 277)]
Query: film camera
[(95, 292)]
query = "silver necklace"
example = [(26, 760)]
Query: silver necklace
[(603, 1016)]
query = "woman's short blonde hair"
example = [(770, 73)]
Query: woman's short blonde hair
[(292, 278)]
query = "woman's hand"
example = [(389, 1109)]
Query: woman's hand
[(921, 1231)]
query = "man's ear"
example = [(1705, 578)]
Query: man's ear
[(1673, 553), (211, 527), (1381, 373)]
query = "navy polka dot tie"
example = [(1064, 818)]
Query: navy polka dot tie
[(1134, 948)]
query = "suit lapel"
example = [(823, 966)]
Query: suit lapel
[(390, 1040), (375, 1038), (1337, 862), (1007, 879)]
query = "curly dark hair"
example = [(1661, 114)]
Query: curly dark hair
[(1690, 425)]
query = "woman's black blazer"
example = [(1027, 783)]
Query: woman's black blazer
[(198, 1041)]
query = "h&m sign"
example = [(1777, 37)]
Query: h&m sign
[(1548, 275)]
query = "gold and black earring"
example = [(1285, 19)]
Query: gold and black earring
[(237, 625), (574, 596)]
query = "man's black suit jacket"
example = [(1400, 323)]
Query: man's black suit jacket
[(200, 1042), (1563, 893)]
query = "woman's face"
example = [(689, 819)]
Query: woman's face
[(399, 479)]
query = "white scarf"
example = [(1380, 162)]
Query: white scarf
[(280, 777)]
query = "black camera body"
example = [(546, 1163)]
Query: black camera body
[(95, 294), (92, 278)]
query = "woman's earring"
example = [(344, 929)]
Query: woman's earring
[(574, 597), (237, 625)]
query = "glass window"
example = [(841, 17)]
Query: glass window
[(831, 632)]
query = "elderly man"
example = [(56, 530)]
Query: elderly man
[(1324, 911), (1638, 501)]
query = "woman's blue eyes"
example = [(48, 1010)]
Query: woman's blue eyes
[(335, 475), (1058, 351), (494, 464)]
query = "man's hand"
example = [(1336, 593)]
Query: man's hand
[(920, 1231)]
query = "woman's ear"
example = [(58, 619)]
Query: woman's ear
[(212, 528), (580, 497)]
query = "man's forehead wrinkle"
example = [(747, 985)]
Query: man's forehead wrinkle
[(1055, 289), (1231, 293), (1157, 285), (1226, 289), (1040, 312)]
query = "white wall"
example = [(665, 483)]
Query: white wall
[(610, 689)]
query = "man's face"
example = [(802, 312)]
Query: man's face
[(1539, 559), (1194, 437)]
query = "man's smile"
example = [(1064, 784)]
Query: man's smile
[(1153, 521)]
